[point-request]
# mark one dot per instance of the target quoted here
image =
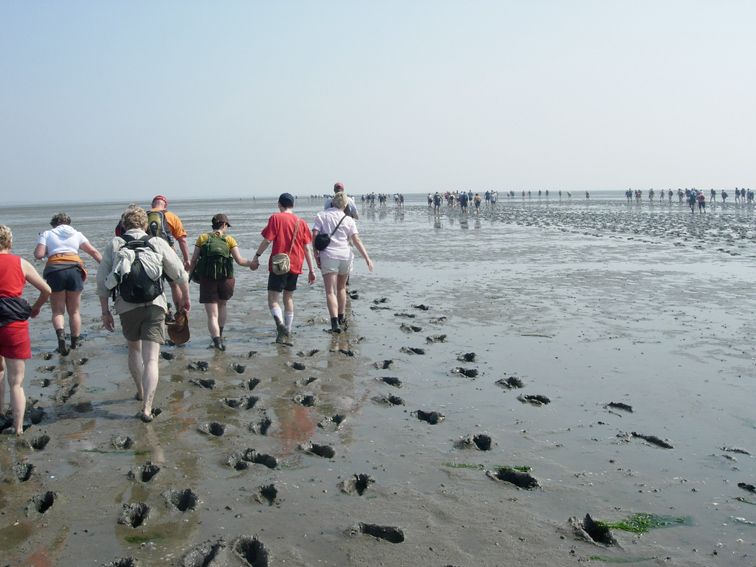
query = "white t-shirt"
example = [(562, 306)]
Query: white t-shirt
[(63, 239), (325, 222)]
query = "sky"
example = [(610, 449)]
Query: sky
[(126, 99)]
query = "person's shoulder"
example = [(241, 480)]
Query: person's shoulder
[(231, 241)]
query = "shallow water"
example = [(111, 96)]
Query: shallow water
[(586, 302)]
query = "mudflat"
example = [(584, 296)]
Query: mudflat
[(503, 376)]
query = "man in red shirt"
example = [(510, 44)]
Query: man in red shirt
[(283, 228)]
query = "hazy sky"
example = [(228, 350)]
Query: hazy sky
[(194, 99)]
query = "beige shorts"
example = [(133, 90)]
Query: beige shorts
[(144, 324), (331, 266)]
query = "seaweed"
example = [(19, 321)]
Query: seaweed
[(641, 523)]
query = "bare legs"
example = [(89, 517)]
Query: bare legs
[(14, 370), (143, 365), (335, 290), (60, 303), (216, 320), (274, 298)]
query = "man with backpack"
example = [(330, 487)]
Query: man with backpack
[(131, 271), (290, 236), (163, 223), (212, 266)]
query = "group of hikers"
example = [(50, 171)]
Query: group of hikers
[(136, 262)]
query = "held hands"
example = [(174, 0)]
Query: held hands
[(254, 263)]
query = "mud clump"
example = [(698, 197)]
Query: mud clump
[(620, 406), (389, 533), (134, 515), (410, 328), (319, 450), (267, 494), (653, 439), (40, 442), (392, 381), (390, 400), (467, 357), (412, 350), (422, 307), (747, 487), (297, 366), (244, 403), (252, 456), (383, 365), (467, 372), (518, 478), (307, 400), (481, 441), (41, 503), (510, 383), (207, 384), (331, 423), (251, 551), (207, 554), (182, 500), (432, 417), (23, 471), (261, 427), (435, 339), (122, 442), (123, 562), (239, 368), (145, 473), (358, 484), (213, 428), (252, 383), (534, 399)]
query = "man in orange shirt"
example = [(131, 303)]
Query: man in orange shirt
[(163, 223)]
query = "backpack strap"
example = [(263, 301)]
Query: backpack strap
[(294, 238), (337, 226)]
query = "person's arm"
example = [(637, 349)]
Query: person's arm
[(184, 247), (255, 262), (40, 251), (92, 251), (236, 255), (107, 316), (32, 276), (361, 249), (308, 259), (193, 261)]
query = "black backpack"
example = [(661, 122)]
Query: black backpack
[(136, 286)]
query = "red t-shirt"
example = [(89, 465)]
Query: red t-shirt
[(280, 230)]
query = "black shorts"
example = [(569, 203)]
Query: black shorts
[(212, 291), (68, 279), (286, 282)]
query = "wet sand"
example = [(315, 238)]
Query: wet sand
[(586, 305)]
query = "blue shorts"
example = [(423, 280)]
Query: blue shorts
[(68, 279)]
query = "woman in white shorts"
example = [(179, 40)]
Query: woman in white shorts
[(335, 261)]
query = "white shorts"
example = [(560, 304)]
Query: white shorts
[(331, 266)]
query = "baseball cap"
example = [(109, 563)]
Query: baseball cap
[(160, 198), (286, 200), (338, 186), (219, 220)]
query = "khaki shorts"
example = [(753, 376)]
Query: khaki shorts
[(331, 266), (144, 324)]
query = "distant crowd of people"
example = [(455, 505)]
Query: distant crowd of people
[(136, 263)]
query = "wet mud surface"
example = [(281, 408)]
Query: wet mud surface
[(634, 323)]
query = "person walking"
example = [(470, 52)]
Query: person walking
[(212, 266), (351, 208), (65, 274), (288, 234), (168, 226), (336, 258), (141, 307), (15, 343)]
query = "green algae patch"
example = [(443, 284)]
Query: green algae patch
[(642, 523)]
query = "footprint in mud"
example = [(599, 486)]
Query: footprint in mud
[(200, 365), (41, 503), (252, 354), (237, 462), (422, 307), (620, 406), (653, 440), (346, 352), (391, 381), (410, 328), (207, 554), (251, 551), (438, 320), (432, 417), (534, 399), (207, 384), (307, 400), (40, 442), (747, 487), (435, 339), (145, 473), (49, 368), (23, 471), (261, 427), (252, 456), (481, 441), (239, 368), (165, 355), (319, 450), (134, 515), (331, 423), (66, 393), (405, 315), (305, 381), (390, 400), (252, 383), (309, 353), (244, 403), (213, 428), (467, 357), (81, 361), (510, 383), (520, 479), (267, 494), (389, 533), (468, 372), (46, 382), (47, 356), (297, 365), (122, 442), (123, 562), (590, 530), (35, 415), (412, 350), (384, 365), (182, 500), (354, 295), (358, 484)]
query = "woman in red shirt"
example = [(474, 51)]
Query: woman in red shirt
[(15, 344)]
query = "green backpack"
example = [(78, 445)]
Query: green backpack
[(215, 260)]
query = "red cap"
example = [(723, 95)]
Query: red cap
[(338, 186), (160, 198)]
